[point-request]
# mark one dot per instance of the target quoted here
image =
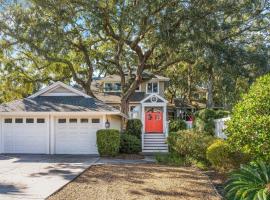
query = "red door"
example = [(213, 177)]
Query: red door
[(153, 122)]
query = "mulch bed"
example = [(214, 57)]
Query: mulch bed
[(218, 180), (139, 181)]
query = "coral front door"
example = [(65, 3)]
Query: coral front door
[(153, 122)]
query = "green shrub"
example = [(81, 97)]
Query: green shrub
[(108, 142), (172, 159), (130, 144), (250, 182), (190, 143), (177, 125), (249, 127), (204, 119), (222, 158), (134, 127)]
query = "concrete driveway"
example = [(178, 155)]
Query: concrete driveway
[(38, 176)]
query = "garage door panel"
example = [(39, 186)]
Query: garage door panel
[(75, 138), (25, 138)]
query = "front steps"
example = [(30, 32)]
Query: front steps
[(154, 143)]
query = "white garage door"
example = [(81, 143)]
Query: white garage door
[(25, 135), (76, 135)]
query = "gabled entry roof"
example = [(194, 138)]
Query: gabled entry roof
[(154, 98), (59, 97)]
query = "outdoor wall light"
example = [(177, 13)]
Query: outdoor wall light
[(107, 124)]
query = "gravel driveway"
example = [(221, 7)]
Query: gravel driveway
[(138, 181)]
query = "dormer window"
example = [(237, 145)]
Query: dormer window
[(152, 87), (112, 87)]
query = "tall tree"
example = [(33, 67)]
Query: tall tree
[(219, 35), (55, 32), (133, 29)]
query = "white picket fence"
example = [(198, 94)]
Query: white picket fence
[(220, 126)]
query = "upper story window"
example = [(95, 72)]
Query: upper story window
[(152, 87), (112, 87), (138, 89)]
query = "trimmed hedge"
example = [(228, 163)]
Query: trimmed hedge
[(108, 142), (177, 125), (130, 144), (134, 127)]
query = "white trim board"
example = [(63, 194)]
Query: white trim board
[(56, 85), (156, 95)]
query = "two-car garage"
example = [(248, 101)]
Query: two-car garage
[(58, 119), (50, 135)]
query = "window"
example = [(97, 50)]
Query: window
[(152, 87), (73, 120), (117, 107), (8, 120), (84, 120), (62, 121), (29, 120), (95, 121), (112, 87), (19, 120), (40, 120), (138, 89), (131, 108), (117, 86)]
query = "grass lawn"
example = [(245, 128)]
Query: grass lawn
[(138, 181)]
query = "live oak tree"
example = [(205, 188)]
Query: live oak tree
[(133, 27), (56, 33), (222, 36), (67, 40)]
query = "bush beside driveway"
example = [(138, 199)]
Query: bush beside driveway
[(139, 181)]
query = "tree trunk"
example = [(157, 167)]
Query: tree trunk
[(189, 81), (88, 90), (210, 101)]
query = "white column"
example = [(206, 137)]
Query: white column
[(48, 134), (143, 124), (103, 121), (165, 120), (1, 135), (52, 134)]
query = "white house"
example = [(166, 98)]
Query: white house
[(60, 119)]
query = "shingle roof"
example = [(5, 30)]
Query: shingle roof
[(57, 104)]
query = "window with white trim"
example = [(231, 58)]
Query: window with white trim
[(29, 120), (138, 89), (112, 87), (73, 120), (152, 87), (62, 121), (19, 120), (84, 120), (95, 120), (40, 120), (8, 120)]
